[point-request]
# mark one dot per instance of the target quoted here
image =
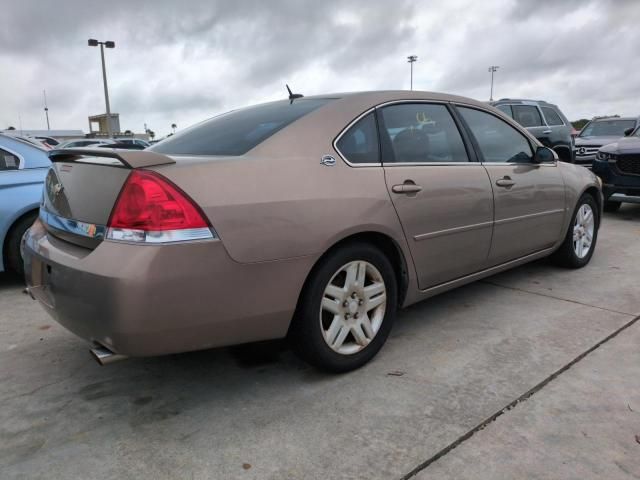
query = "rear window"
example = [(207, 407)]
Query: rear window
[(237, 132), (527, 115)]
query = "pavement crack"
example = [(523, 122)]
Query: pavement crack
[(522, 398), (517, 289)]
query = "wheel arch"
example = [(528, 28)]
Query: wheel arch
[(382, 241)]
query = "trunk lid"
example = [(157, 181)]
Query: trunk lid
[(82, 187)]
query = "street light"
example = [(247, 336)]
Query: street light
[(493, 69), (411, 59), (109, 44)]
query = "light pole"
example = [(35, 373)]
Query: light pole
[(108, 44), (493, 69), (411, 59)]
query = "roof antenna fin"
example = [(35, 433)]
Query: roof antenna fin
[(293, 96)]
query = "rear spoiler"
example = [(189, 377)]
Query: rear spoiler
[(128, 158)]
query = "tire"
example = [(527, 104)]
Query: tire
[(364, 319), (611, 206), (571, 254), (13, 258)]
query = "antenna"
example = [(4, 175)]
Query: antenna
[(293, 96), (46, 109)]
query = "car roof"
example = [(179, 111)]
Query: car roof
[(523, 101), (614, 118)]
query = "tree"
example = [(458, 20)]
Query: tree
[(579, 124), (11, 128), (173, 127), (151, 134), (128, 132)]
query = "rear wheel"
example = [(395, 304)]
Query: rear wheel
[(580, 241), (346, 310), (13, 257), (611, 206)]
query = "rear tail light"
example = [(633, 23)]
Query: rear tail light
[(151, 209)]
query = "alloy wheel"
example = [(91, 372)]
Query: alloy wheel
[(583, 229), (353, 307)]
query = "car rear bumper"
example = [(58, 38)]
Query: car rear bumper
[(143, 300)]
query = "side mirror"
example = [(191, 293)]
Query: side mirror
[(628, 132), (545, 155)]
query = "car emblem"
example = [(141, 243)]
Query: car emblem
[(582, 150), (328, 161), (57, 189)]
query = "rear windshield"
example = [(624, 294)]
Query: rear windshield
[(237, 132)]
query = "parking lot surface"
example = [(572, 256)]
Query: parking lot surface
[(534, 373)]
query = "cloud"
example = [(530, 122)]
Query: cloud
[(185, 61)]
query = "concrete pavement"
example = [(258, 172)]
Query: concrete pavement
[(256, 412)]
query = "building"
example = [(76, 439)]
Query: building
[(98, 124)]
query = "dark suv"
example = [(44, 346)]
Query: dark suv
[(618, 165), (601, 131), (544, 120)]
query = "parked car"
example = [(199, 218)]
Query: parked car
[(88, 142), (49, 141), (618, 165), (545, 121), (123, 145), (23, 167), (601, 131), (134, 141), (312, 218)]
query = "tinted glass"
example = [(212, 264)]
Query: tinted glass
[(607, 128), (360, 143), (527, 115), (552, 116), (420, 132), (237, 132), (498, 141), (506, 109), (8, 161)]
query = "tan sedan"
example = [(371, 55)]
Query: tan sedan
[(310, 218)]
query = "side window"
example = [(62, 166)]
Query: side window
[(498, 141), (8, 161), (360, 144), (527, 115), (420, 133), (505, 109), (552, 116)]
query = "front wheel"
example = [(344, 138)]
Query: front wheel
[(580, 241), (346, 310)]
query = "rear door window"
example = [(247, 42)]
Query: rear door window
[(360, 143), (237, 132), (421, 133), (552, 116), (527, 115)]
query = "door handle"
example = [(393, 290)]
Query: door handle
[(406, 188), (546, 132), (505, 182)]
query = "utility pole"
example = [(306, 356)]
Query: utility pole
[(411, 59), (493, 69), (108, 44), (46, 109)]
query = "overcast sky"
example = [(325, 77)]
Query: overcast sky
[(184, 61)]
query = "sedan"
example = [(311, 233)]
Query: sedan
[(310, 218), (23, 167)]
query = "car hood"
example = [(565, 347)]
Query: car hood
[(623, 145), (595, 141)]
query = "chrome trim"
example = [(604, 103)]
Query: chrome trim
[(84, 229), (448, 231), (554, 164), (142, 237), (435, 164), (530, 215)]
